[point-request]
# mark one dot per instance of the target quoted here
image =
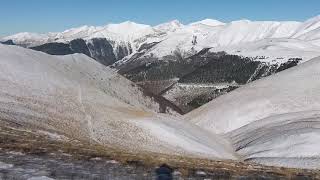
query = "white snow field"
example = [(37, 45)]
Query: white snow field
[(77, 97), (275, 39), (293, 90)]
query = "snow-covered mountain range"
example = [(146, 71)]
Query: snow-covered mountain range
[(193, 37)]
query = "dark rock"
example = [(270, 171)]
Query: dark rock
[(102, 51), (79, 46), (291, 63), (8, 42), (122, 51), (54, 48)]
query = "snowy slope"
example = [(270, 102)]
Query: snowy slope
[(243, 33), (122, 33), (249, 31), (209, 22), (291, 140), (309, 30), (296, 89), (171, 26), (274, 50), (273, 121), (76, 96), (28, 39), (228, 37)]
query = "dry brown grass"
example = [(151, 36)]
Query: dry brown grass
[(27, 141)]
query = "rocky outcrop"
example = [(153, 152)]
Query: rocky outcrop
[(80, 46)]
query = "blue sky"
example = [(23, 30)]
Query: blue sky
[(57, 15)]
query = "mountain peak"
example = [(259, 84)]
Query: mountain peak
[(22, 34), (131, 23), (209, 22), (176, 22), (169, 26), (127, 26), (242, 21), (80, 29), (26, 36)]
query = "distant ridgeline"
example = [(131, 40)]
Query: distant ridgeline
[(186, 82), (99, 49)]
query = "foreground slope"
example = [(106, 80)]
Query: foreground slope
[(49, 157), (290, 140), (293, 90), (77, 97)]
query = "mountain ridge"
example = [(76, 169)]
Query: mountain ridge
[(189, 39)]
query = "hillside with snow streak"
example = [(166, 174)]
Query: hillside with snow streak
[(287, 140), (76, 96)]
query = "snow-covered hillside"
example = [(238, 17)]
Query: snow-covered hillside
[(309, 30), (274, 50), (293, 90), (291, 140), (124, 32), (273, 121), (230, 36), (76, 96)]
